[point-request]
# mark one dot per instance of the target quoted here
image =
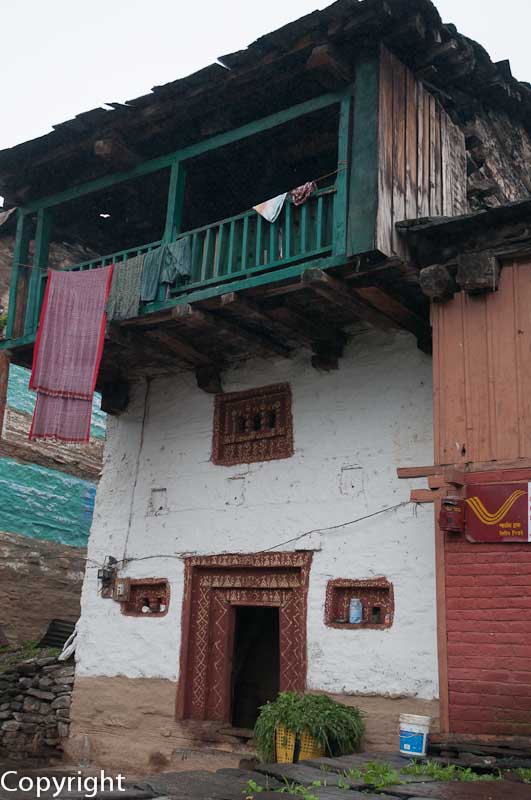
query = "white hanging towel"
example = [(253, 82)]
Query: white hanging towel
[(270, 209)]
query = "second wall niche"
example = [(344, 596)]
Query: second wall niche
[(377, 600)]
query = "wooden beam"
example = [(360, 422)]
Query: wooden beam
[(209, 379), (190, 315), (113, 149), (212, 143), (339, 293), (417, 472), (129, 341), (115, 396), (393, 309), (248, 310), (437, 282), (309, 330), (183, 350), (328, 66), (426, 495)]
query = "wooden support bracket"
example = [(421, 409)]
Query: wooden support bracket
[(437, 283), (115, 396), (478, 272), (209, 379)]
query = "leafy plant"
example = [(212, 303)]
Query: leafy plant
[(450, 772), (379, 774), (337, 727), (524, 773), (3, 323)]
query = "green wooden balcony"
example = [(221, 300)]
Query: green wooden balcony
[(231, 250)]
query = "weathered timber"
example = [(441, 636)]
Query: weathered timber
[(209, 379), (478, 272), (184, 351), (437, 282), (395, 310), (329, 67), (115, 396), (338, 293), (416, 472), (421, 496), (224, 325)]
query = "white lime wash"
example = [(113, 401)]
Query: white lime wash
[(352, 428)]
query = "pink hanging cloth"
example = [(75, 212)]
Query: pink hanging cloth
[(68, 353), (302, 193)]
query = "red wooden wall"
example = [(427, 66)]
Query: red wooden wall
[(482, 419), (482, 373)]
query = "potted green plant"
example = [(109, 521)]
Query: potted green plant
[(297, 726)]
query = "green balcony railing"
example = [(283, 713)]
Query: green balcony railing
[(231, 249)]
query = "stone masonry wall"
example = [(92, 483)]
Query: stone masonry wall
[(35, 700)]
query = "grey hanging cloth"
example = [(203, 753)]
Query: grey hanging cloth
[(177, 260), (165, 265), (124, 297)]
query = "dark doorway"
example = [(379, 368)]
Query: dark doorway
[(256, 662)]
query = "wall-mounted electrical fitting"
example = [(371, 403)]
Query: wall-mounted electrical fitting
[(106, 576)]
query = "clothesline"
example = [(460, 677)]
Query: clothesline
[(315, 180)]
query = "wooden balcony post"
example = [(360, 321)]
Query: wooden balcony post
[(20, 258), (39, 264), (4, 377), (343, 165), (174, 209)]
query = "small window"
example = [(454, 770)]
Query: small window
[(253, 426)]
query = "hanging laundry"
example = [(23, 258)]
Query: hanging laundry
[(164, 265), (270, 209), (177, 260), (151, 274), (68, 352), (302, 193), (124, 297), (64, 418)]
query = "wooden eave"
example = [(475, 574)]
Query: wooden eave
[(504, 231), (315, 309), (293, 63)]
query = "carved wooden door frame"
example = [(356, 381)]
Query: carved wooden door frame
[(214, 586)]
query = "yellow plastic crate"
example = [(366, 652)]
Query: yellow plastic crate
[(310, 747), (284, 745), (285, 741)]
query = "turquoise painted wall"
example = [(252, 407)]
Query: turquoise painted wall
[(39, 502)]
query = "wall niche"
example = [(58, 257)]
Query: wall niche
[(147, 597), (376, 598)]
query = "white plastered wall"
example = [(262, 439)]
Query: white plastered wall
[(352, 428)]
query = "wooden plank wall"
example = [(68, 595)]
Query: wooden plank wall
[(422, 156), (482, 373)]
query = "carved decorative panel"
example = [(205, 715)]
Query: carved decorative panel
[(253, 426), (376, 595), (214, 586)]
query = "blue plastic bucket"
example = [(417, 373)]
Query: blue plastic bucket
[(414, 731)]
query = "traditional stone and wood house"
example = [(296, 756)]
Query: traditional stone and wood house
[(262, 407)]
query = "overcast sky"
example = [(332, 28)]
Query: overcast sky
[(62, 57)]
